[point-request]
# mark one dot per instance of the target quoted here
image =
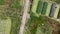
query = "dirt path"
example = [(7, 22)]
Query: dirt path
[(26, 5)]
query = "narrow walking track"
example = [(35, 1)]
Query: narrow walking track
[(26, 5)]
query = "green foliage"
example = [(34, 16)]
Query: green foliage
[(15, 24), (14, 15), (45, 4), (37, 26), (2, 2), (57, 1), (39, 7), (15, 3)]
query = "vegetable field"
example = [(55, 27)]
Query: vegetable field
[(37, 17)]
